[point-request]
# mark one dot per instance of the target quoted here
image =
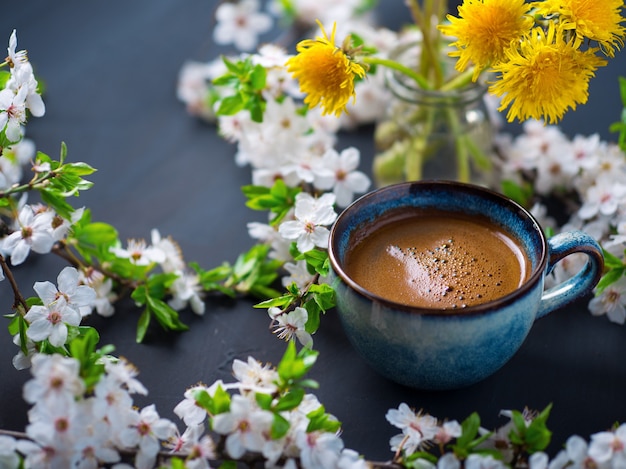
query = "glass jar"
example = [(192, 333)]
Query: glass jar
[(432, 134)]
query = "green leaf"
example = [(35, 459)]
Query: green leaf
[(280, 302), (166, 315), (280, 427), (4, 77), (294, 366), (228, 465), (609, 278), (469, 430), (57, 202), (216, 404), (522, 194), (221, 400), (258, 77), (142, 325), (264, 400), (319, 420), (230, 105), (611, 260), (79, 169), (290, 400), (324, 295), (538, 435), (313, 319), (94, 239)]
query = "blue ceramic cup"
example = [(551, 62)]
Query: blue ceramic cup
[(429, 348)]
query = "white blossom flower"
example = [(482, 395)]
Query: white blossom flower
[(188, 409), (574, 456), (417, 428), (139, 253), (603, 198), (341, 175), (33, 233), (240, 24), (112, 403), (172, 255), (479, 461), (448, 461), (312, 215), (61, 226), (12, 113), (611, 301), (77, 297), (538, 460), (198, 446), (291, 324), (319, 450), (51, 321), (22, 360), (609, 445), (124, 373), (193, 88), (298, 274), (254, 375), (350, 459), (245, 424), (187, 290), (92, 448), (8, 455), (55, 379), (22, 76), (103, 286), (145, 432), (19, 95), (270, 235), (448, 431), (15, 58)]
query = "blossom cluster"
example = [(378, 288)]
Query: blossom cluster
[(74, 425), (500, 448), (20, 93), (589, 175), (74, 422)]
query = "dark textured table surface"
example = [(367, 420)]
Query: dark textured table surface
[(110, 70)]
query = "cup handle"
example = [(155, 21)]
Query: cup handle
[(559, 247)]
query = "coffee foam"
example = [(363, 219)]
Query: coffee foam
[(438, 262)]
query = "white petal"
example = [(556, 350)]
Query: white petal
[(42, 242), (291, 229), (39, 330), (46, 291), (320, 237), (305, 243), (58, 335), (35, 105), (350, 159), (84, 295), (67, 280), (20, 253)]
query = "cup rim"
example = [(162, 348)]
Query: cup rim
[(473, 310)]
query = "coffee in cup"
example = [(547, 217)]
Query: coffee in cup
[(432, 259)]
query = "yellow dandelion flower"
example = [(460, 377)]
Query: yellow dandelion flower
[(485, 29), (544, 76), (325, 73), (598, 20)]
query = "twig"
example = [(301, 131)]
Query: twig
[(19, 299)]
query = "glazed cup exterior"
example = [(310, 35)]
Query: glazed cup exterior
[(435, 349)]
